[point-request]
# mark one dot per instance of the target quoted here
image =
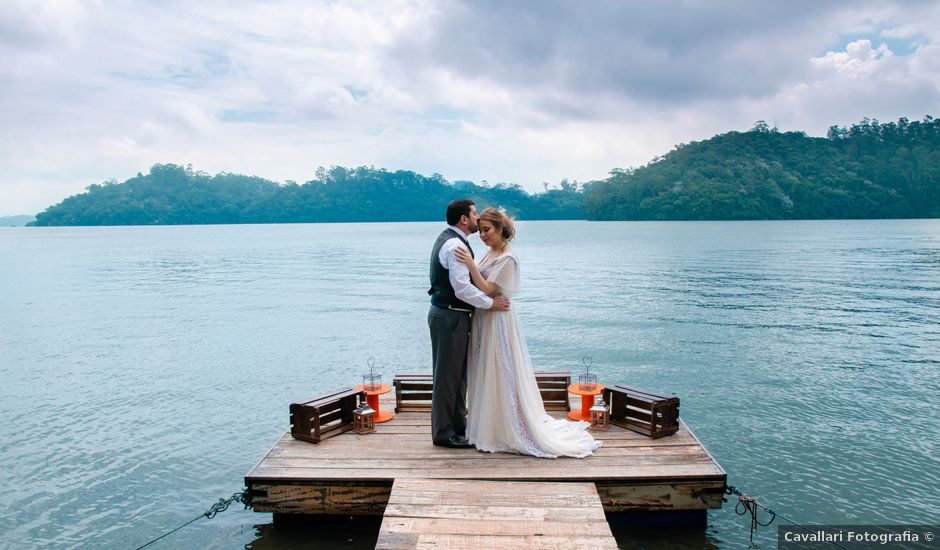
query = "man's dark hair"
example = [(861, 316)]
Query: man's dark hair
[(457, 208)]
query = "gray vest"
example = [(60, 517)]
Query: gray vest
[(441, 291)]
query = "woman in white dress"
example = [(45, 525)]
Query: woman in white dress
[(506, 413)]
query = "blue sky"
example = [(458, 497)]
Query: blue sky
[(515, 92)]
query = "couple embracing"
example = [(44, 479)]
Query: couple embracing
[(485, 394)]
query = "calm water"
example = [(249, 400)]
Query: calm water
[(146, 369)]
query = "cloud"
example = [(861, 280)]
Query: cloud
[(859, 60), (502, 91), (664, 53)]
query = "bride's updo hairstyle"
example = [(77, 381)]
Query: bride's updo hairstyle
[(500, 221)]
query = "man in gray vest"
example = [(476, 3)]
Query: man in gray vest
[(453, 298)]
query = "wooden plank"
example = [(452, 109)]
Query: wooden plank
[(468, 460), (381, 441), (475, 488), (317, 401), (353, 474), (444, 510), (413, 391), (361, 497), (507, 526), (324, 417), (615, 437), (504, 515), (412, 541), (349, 499), (432, 452), (425, 429), (656, 472), (552, 501), (618, 497)]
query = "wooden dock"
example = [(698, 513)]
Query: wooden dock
[(475, 515), (354, 474)]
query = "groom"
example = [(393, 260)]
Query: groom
[(453, 299)]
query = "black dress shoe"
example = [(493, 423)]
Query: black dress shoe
[(455, 442)]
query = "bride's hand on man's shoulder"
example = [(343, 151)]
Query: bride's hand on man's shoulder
[(461, 254)]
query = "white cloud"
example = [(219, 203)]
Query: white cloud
[(500, 91), (859, 60)]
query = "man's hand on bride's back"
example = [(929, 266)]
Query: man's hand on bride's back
[(500, 303)]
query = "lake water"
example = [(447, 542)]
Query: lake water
[(145, 370)]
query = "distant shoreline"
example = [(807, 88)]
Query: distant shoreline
[(18, 220), (441, 221), (867, 171)]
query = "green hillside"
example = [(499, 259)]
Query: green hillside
[(171, 194), (867, 170)]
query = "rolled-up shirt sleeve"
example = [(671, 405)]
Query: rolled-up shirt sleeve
[(459, 275)]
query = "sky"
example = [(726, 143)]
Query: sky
[(496, 91)]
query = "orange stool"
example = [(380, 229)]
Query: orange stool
[(587, 401), (372, 397)]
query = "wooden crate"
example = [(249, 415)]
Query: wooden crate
[(553, 385), (413, 390), (325, 416), (643, 411)]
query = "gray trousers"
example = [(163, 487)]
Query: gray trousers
[(450, 336)]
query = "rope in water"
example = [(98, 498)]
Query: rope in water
[(746, 505), (220, 506), (750, 505)]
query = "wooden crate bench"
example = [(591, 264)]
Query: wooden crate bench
[(553, 385), (413, 390), (325, 416), (643, 411)]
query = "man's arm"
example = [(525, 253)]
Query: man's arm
[(460, 277)]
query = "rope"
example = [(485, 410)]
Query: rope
[(749, 505), (220, 506)]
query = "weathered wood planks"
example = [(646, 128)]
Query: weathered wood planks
[(491, 514), (647, 412), (325, 497), (325, 416), (413, 390), (353, 474)]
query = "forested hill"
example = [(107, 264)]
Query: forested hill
[(868, 170), (172, 194)]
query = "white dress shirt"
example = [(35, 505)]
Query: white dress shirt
[(459, 273)]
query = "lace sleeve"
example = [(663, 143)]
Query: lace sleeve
[(505, 275)]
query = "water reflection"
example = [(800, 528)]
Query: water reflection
[(328, 532), (633, 530)]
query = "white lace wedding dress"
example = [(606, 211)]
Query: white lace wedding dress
[(506, 413)]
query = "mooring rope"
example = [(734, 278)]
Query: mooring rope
[(746, 505), (220, 506), (749, 505)]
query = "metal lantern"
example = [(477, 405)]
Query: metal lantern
[(587, 381), (600, 415), (371, 381), (363, 419)]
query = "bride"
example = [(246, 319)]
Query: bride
[(506, 413)]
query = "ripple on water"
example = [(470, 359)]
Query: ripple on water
[(147, 369)]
